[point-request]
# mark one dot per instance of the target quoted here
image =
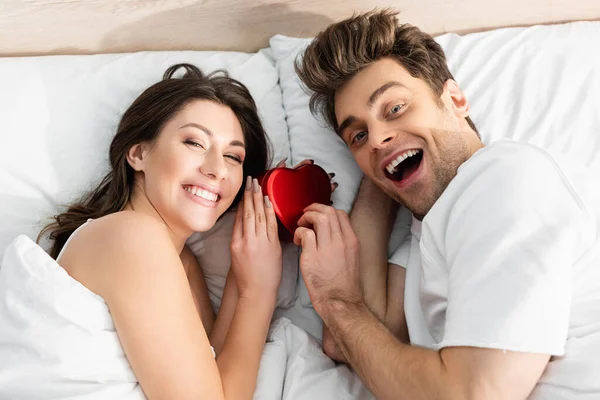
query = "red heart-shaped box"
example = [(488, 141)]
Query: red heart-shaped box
[(292, 190)]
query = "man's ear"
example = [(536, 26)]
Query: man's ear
[(457, 100), (136, 156)]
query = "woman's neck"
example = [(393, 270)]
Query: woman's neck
[(139, 202)]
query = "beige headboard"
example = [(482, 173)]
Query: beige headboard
[(36, 27)]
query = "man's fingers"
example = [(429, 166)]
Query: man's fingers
[(306, 238), (320, 224), (318, 207), (345, 225), (328, 211)]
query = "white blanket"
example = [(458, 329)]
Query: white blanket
[(57, 338), (58, 341), (294, 367)]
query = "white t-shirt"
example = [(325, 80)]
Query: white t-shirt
[(509, 258)]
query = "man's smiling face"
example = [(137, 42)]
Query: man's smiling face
[(404, 137)]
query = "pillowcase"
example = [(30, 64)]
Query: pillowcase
[(58, 115), (534, 85)]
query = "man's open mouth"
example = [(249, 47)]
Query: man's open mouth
[(403, 166)]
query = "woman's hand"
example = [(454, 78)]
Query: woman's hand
[(255, 248)]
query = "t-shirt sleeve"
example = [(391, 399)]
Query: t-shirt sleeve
[(400, 239), (513, 236)]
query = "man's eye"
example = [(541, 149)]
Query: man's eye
[(396, 109), (359, 136)]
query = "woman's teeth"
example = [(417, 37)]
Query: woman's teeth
[(205, 194)]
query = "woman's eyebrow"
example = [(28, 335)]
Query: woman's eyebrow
[(209, 133)]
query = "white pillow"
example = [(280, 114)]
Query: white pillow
[(310, 138), (58, 115), (212, 250), (535, 84)]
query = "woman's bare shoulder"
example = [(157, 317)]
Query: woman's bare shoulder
[(118, 244)]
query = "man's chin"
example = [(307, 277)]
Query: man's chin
[(417, 207), (407, 200)]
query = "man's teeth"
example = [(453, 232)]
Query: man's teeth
[(205, 194), (391, 167)]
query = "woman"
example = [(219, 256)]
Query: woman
[(132, 318)]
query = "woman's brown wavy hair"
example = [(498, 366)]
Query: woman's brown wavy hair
[(142, 122)]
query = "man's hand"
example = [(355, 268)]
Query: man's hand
[(329, 260)]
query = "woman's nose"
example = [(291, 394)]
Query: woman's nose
[(213, 165)]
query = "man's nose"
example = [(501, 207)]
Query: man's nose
[(380, 136)]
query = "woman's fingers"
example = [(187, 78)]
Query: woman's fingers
[(334, 185), (260, 219), (304, 162), (238, 226), (249, 224), (281, 163), (271, 220)]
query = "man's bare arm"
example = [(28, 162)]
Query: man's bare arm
[(394, 370), (372, 219)]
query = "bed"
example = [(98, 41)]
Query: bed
[(68, 69)]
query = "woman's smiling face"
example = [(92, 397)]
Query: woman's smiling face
[(193, 171)]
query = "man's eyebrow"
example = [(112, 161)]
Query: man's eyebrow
[(372, 99), (209, 133), (345, 124), (382, 90)]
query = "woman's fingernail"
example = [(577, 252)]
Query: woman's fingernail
[(332, 174), (248, 182), (331, 203), (282, 162), (267, 202), (256, 186), (335, 184), (311, 161)]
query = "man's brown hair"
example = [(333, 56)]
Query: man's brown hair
[(342, 50)]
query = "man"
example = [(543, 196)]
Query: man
[(503, 275)]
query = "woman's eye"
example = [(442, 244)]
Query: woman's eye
[(235, 158), (358, 137), (396, 109), (195, 144)]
